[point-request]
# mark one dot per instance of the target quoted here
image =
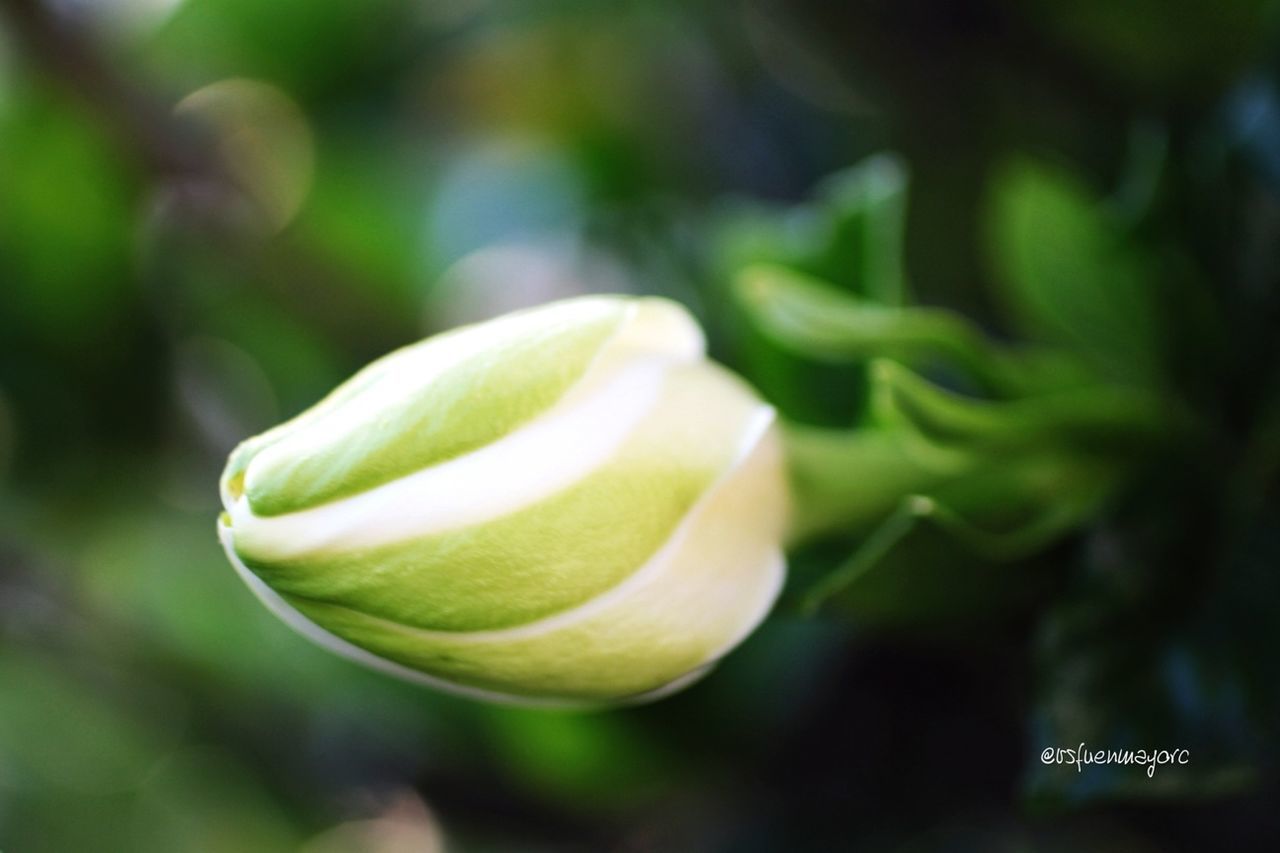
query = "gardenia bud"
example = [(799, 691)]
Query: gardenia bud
[(565, 505)]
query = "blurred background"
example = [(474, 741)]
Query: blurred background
[(212, 211)]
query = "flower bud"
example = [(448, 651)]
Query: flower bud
[(565, 505)]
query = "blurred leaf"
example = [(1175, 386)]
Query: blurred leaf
[(1180, 49), (1068, 274), (58, 731), (300, 363), (591, 762), (310, 48), (207, 800), (869, 206), (66, 218), (364, 215), (201, 615), (851, 234), (1146, 164)]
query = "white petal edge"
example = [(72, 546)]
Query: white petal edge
[(335, 644)]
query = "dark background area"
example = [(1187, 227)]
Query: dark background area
[(212, 211)]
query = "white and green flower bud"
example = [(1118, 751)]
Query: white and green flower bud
[(565, 505)]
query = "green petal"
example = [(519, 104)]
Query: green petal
[(405, 420), (555, 554)]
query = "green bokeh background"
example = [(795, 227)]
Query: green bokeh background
[(1093, 176)]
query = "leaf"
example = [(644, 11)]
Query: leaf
[(869, 201), (1068, 275)]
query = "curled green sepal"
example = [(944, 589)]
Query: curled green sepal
[(947, 425), (814, 319), (926, 560)]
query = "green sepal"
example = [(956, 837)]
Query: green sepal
[(1088, 417), (812, 318), (955, 557)]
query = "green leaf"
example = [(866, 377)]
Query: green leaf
[(1068, 274), (869, 202)]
